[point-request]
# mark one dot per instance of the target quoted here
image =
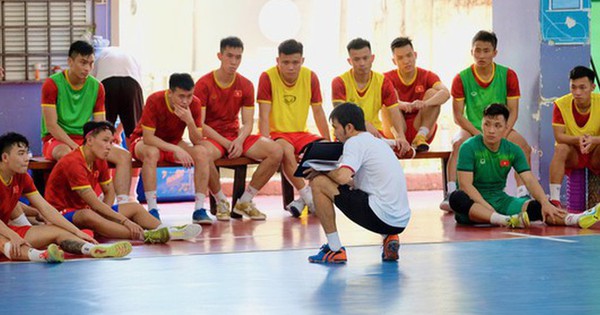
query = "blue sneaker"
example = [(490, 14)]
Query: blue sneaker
[(327, 256), (201, 217), (154, 213)]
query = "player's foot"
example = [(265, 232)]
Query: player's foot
[(519, 221), (391, 245), (327, 256), (296, 207), (184, 232), (118, 249), (223, 208), (556, 203), (154, 213), (589, 217), (249, 209), (158, 236), (420, 143), (409, 154), (445, 205), (201, 217), (53, 254)]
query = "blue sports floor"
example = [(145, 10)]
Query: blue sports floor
[(443, 269)]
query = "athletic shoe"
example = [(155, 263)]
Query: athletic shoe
[(589, 217), (407, 155), (327, 256), (223, 210), (420, 143), (158, 236), (556, 203), (53, 254), (184, 232), (311, 208), (519, 221), (445, 205), (249, 209), (118, 249), (201, 217), (154, 213), (296, 207), (391, 245)]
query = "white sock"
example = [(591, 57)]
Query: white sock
[(451, 187), (87, 248), (7, 248), (306, 194), (20, 221), (121, 199), (249, 193), (522, 191), (555, 191), (220, 195), (423, 131), (333, 239), (499, 219), (151, 199), (35, 255), (573, 219), (199, 201)]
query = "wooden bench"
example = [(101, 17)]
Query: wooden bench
[(41, 168), (287, 190)]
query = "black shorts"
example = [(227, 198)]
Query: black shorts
[(124, 98), (355, 205)]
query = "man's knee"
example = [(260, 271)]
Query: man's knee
[(561, 151), (460, 202), (199, 153), (121, 156), (457, 143), (150, 154), (320, 183)]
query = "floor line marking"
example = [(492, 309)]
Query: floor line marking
[(540, 237)]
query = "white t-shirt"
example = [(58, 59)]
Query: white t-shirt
[(115, 62), (378, 173)]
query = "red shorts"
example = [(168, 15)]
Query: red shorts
[(411, 132), (248, 143), (49, 143), (21, 230), (165, 156), (583, 161), (298, 139)]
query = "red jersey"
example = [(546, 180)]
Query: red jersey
[(223, 103), (415, 88), (580, 118), (159, 115), (71, 174), (512, 85), (11, 191)]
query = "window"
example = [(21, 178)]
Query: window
[(35, 35)]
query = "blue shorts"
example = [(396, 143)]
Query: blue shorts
[(69, 214)]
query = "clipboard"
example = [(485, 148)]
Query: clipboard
[(323, 151)]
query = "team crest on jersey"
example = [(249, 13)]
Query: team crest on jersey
[(473, 93), (96, 174), (419, 89), (504, 163), (213, 96), (482, 161), (237, 93), (16, 190), (289, 99)]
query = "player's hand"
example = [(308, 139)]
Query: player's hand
[(183, 157), (185, 114), (404, 106), (402, 146), (552, 213), (136, 231), (236, 148), (86, 237), (418, 105), (585, 144), (311, 173), (16, 243)]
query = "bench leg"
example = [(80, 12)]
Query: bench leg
[(287, 191), (213, 201), (39, 179), (444, 177), (239, 185)]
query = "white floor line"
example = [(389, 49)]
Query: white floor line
[(541, 237)]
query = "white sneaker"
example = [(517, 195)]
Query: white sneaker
[(296, 207), (184, 232)]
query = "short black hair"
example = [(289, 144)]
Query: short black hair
[(10, 139), (495, 110), (80, 47), (358, 43), (231, 41), (290, 47), (349, 113), (183, 81), (485, 36), (399, 42), (582, 72), (95, 127)]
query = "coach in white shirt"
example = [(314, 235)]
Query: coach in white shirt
[(369, 187)]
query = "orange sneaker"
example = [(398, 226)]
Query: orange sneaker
[(391, 245), (420, 143), (327, 256)]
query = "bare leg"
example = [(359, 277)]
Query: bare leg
[(122, 160), (136, 212), (324, 191), (89, 219), (60, 150), (270, 155), (289, 164), (458, 140), (564, 156), (517, 139), (149, 155)]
